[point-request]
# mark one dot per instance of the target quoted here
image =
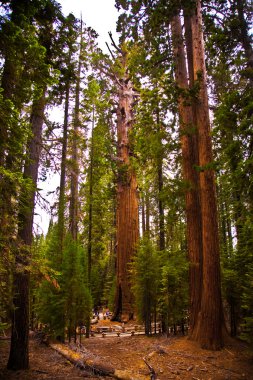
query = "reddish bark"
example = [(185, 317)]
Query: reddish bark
[(190, 161), (127, 204), (209, 329)]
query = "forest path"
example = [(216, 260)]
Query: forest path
[(171, 358)]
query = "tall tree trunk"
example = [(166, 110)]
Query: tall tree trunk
[(190, 161), (160, 186), (73, 210), (10, 104), (62, 204), (210, 321), (91, 198), (147, 204), (19, 355), (143, 216), (61, 207), (74, 194), (127, 225), (161, 208)]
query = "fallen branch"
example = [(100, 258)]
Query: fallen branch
[(152, 371)]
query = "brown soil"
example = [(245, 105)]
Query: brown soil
[(171, 358), (174, 358), (45, 363)]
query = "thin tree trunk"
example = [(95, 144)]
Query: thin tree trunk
[(210, 321), (62, 201), (74, 204), (160, 187), (190, 161), (143, 218), (73, 210), (61, 208), (19, 356), (147, 203), (91, 199), (161, 208)]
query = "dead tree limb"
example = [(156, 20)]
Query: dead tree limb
[(151, 369), (114, 44), (110, 50)]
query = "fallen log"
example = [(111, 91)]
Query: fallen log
[(91, 365), (95, 366)]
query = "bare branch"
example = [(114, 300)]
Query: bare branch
[(113, 56), (114, 44), (152, 371)]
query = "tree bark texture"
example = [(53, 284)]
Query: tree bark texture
[(189, 162), (19, 355), (90, 228), (127, 225), (73, 209), (210, 321), (160, 187), (61, 207)]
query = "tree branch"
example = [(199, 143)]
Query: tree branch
[(114, 44), (152, 371), (113, 56)]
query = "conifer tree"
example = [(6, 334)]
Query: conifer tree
[(127, 225), (145, 278), (19, 355)]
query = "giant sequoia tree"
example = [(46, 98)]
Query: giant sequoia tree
[(190, 160), (206, 306), (209, 324), (127, 225)]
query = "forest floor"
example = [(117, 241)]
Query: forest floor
[(170, 358)]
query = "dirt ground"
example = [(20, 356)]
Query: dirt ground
[(174, 358), (45, 363), (171, 358)]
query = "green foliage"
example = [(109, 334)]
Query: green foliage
[(247, 302), (173, 301), (63, 300), (111, 292), (98, 191), (145, 278), (160, 285), (78, 302), (49, 299)]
